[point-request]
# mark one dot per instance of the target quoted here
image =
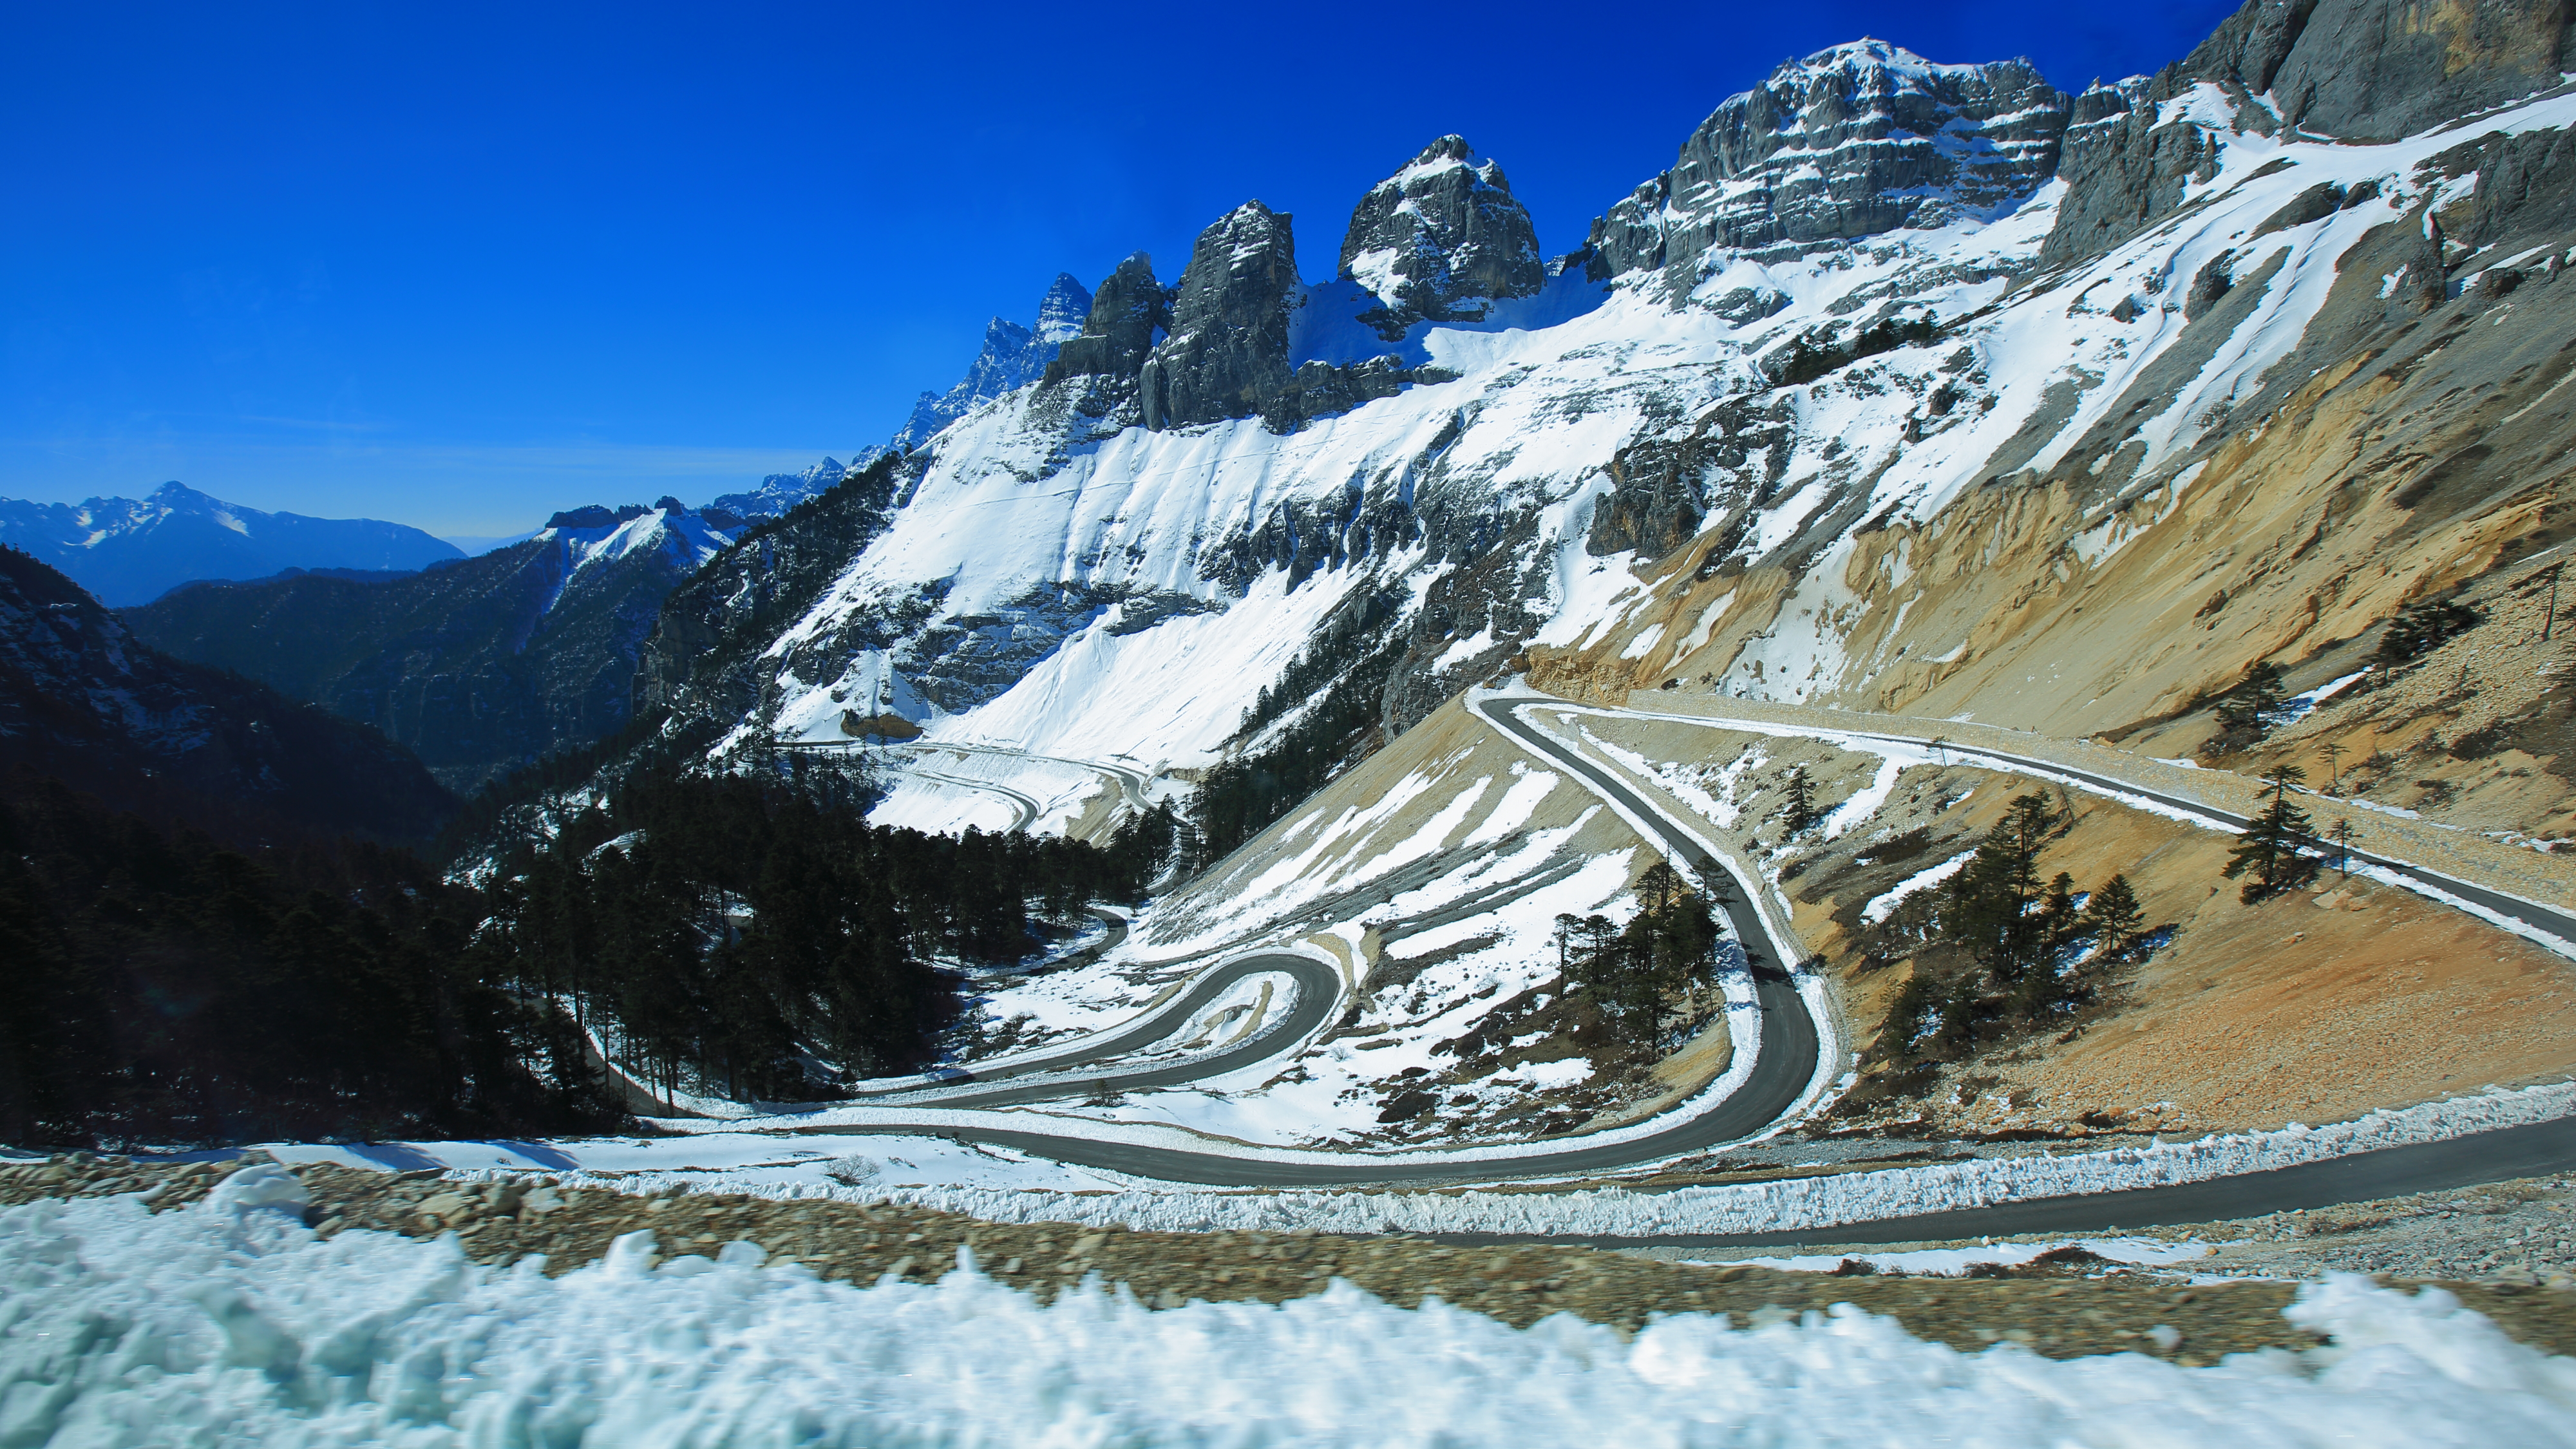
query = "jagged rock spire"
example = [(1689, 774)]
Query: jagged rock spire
[(1126, 315), (1228, 352), (1441, 240)]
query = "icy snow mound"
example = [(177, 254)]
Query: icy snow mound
[(228, 1322)]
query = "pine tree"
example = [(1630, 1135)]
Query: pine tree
[(2254, 696), (1658, 885), (2271, 852), (1800, 810), (2111, 917), (1994, 904)]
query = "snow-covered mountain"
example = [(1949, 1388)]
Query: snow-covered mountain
[(1880, 311), (1013, 356), (129, 550)]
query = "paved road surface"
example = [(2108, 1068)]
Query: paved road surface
[(1785, 1066), (2556, 921), (1782, 1070)]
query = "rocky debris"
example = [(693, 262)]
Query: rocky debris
[(1851, 142), (1228, 351), (1440, 240), (1012, 357), (2054, 1306), (2520, 1233)]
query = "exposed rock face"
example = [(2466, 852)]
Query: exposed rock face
[(2249, 46), (2123, 171), (1061, 312), (1323, 389), (2360, 69), (1128, 315), (1850, 142), (2386, 68), (1440, 240), (1228, 351), (1013, 356), (2526, 189), (702, 655)]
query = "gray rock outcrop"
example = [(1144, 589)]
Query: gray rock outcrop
[(2380, 69), (1228, 349), (2359, 69), (1440, 241), (1850, 142), (2123, 171), (1128, 314)]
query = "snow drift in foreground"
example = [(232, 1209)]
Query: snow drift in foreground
[(230, 1323)]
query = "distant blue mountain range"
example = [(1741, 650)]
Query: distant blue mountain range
[(131, 551)]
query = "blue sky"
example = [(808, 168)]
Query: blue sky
[(462, 266)]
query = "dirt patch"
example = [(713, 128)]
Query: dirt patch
[(2314, 1007)]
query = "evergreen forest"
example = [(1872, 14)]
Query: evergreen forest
[(744, 934)]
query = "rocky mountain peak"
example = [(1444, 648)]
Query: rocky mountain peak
[(1852, 141), (782, 491), (1228, 349), (1062, 310), (1129, 312), (1440, 240), (1012, 357)]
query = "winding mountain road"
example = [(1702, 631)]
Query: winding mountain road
[(1784, 1067), (1787, 1060), (2556, 921), (1024, 807)]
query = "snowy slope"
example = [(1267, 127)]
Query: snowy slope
[(1851, 306)]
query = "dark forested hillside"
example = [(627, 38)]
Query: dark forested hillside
[(749, 933), (482, 665), (164, 987), (741, 935), (81, 698)]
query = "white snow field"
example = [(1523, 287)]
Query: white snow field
[(230, 1323)]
